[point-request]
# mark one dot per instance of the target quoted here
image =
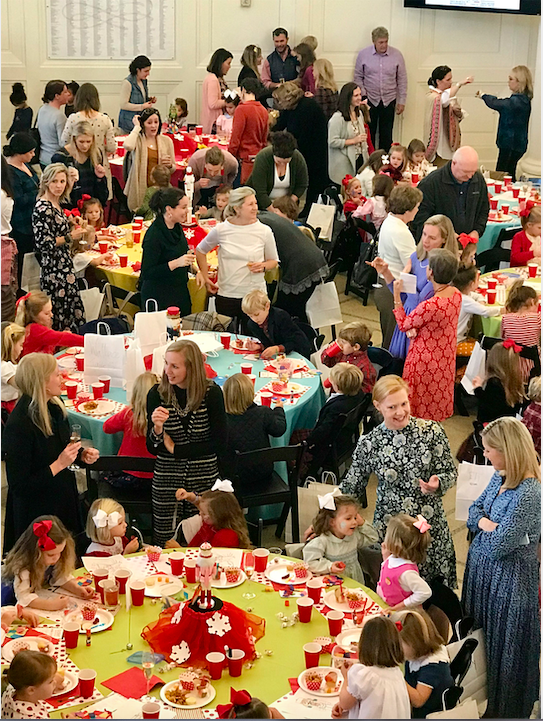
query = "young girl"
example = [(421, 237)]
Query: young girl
[(35, 314), (416, 160), (532, 415), (427, 670), (340, 531), (221, 201), (93, 212), (377, 206), (160, 175), (43, 556), (242, 705), (395, 165), (351, 190), (13, 336), (404, 547), (223, 522), (32, 679), (375, 687), (526, 244), (369, 170), (225, 121), (132, 423), (181, 110), (502, 391), (522, 320), (106, 527), (467, 250)]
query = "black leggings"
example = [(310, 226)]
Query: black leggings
[(232, 308), (294, 303), (507, 161)]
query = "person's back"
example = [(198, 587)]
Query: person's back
[(50, 123)]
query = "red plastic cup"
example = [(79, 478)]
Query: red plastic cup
[(215, 661), (87, 678), (505, 208), (103, 245), (106, 380), (532, 270), (261, 556), (305, 606), (252, 379), (138, 221), (266, 398), (190, 570), (333, 349), (123, 260), (314, 588), (516, 192), (335, 622), (150, 710), (491, 297), (71, 634), (122, 576), (120, 151), (71, 389), (507, 179), (137, 591), (312, 653), (498, 185), (414, 178), (225, 340), (235, 662), (111, 593), (177, 561), (491, 283), (199, 129), (494, 204), (97, 391), (100, 574), (246, 368), (80, 361)]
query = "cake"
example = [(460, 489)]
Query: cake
[(279, 387), (354, 598), (313, 680), (186, 680), (88, 611)]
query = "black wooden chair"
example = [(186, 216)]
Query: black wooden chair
[(315, 338), (118, 204), (492, 258)]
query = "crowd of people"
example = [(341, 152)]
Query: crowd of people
[(291, 134)]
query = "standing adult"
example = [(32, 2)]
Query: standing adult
[(501, 580), (326, 93), (134, 97), (380, 74), (213, 88), (246, 251), (53, 242), (9, 247), (514, 112), (249, 129), (50, 120), (306, 58), (396, 246), (280, 66), (349, 141), (211, 167), (24, 182), (457, 190), (40, 480), (442, 115), (150, 148), (187, 432), (69, 108), (304, 118), (166, 258), (412, 460), (251, 59)]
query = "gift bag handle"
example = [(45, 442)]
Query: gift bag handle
[(150, 300), (103, 325)]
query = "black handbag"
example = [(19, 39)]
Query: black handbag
[(365, 275), (35, 135)]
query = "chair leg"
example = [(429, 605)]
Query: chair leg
[(283, 521)]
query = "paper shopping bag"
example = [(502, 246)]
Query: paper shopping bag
[(308, 505), (157, 366), (475, 367), (468, 709), (134, 366), (474, 682), (149, 326), (472, 481), (322, 216), (104, 355), (323, 307), (93, 301)]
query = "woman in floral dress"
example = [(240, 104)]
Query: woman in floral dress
[(414, 467), (430, 365), (53, 242)]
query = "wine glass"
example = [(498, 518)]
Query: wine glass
[(147, 663), (75, 437), (249, 570)]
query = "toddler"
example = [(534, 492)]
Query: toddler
[(43, 556), (377, 206), (93, 212), (467, 250), (404, 547), (242, 705), (181, 111), (395, 162), (225, 121), (351, 190), (84, 261), (32, 678), (375, 688), (340, 531), (526, 244), (532, 415), (502, 391), (160, 175), (369, 170), (522, 320), (221, 201), (353, 339), (416, 160), (106, 527), (35, 314), (22, 120), (13, 337)]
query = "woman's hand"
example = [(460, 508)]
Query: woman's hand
[(159, 417), (467, 80), (132, 546), (90, 456), (67, 457), (169, 444), (167, 160), (256, 267), (136, 118), (485, 524), (99, 171), (430, 486), (398, 288), (411, 333), (270, 352), (200, 280), (77, 232), (212, 287), (73, 177), (185, 260), (380, 265), (477, 382)]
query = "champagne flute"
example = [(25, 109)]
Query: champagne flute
[(75, 437), (147, 663), (249, 570)]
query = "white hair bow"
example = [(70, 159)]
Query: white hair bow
[(230, 94), (327, 501), (225, 486), (385, 159), (102, 519)]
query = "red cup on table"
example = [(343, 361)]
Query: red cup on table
[(314, 588), (335, 622), (122, 576), (136, 232), (494, 204), (498, 185), (123, 260), (199, 129), (305, 606), (106, 380), (505, 208), (151, 709), (137, 591), (97, 391), (532, 270), (333, 349), (71, 634), (312, 652), (103, 245), (87, 679), (261, 556), (414, 178), (491, 297), (138, 221), (246, 368), (71, 389), (225, 340), (80, 361), (215, 661), (177, 561), (252, 378), (491, 283), (516, 192), (266, 398), (507, 179), (100, 574), (190, 570), (235, 661)]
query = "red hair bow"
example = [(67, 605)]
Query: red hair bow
[(75, 213), (509, 343), (23, 297), (346, 180), (82, 200), (464, 239), (237, 698), (41, 529), (398, 625), (525, 212)]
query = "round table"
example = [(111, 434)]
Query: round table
[(492, 326), (493, 228)]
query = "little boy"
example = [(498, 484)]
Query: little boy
[(532, 415), (273, 327), (466, 280), (221, 201), (353, 339)]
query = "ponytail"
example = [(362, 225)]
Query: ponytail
[(165, 197)]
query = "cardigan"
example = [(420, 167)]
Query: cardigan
[(341, 157), (249, 130), (262, 177), (212, 101), (40, 339), (25, 192), (513, 123), (282, 331), (521, 250), (22, 121), (136, 184), (131, 445), (492, 402)]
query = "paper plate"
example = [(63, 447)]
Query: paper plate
[(32, 641), (67, 362), (2, 636), (157, 590), (104, 405), (74, 350), (347, 637), (200, 702), (279, 573), (503, 219), (242, 578), (330, 601), (291, 388), (322, 671), (295, 364), (70, 682), (105, 620)]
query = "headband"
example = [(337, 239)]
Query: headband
[(237, 698), (82, 200), (102, 519), (346, 180), (385, 159), (464, 239), (511, 344), (225, 486), (41, 529), (327, 501), (23, 297), (422, 524)]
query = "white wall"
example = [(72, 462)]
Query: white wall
[(484, 45)]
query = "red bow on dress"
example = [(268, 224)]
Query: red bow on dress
[(509, 343), (237, 698), (464, 239), (83, 198), (346, 180), (23, 297), (75, 213), (41, 529)]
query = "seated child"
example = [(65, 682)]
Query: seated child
[(273, 327), (396, 163), (221, 201), (467, 280), (532, 415), (35, 314), (242, 705), (404, 547), (340, 531), (286, 207), (351, 190), (84, 261), (501, 392), (160, 176), (416, 160), (225, 121), (369, 170), (181, 114), (106, 528), (467, 250), (377, 206), (93, 212), (526, 244), (32, 678), (353, 339), (522, 320), (13, 337)]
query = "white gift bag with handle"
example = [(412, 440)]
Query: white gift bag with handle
[(149, 325), (134, 366), (104, 355), (323, 306)]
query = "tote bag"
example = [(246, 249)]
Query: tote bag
[(308, 504), (104, 355), (322, 216), (475, 367), (472, 481), (149, 327), (323, 307), (474, 682), (93, 301)]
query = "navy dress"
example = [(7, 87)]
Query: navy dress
[(500, 591)]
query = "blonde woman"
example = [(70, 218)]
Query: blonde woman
[(82, 153), (514, 113), (326, 92), (53, 241), (187, 433), (36, 441), (13, 336), (501, 580), (251, 60)]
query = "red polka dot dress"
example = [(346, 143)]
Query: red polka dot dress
[(13, 708), (431, 361)]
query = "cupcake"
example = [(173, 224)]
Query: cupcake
[(232, 574), (153, 553), (88, 611), (313, 681), (278, 387), (354, 599), (300, 570), (187, 680)]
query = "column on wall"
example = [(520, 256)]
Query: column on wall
[(530, 163)]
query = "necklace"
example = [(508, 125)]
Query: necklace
[(183, 412)]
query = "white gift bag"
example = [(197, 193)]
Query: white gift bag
[(149, 326), (157, 366), (467, 709), (472, 481), (104, 355), (475, 367), (134, 366), (323, 307), (30, 277), (474, 682), (322, 216), (93, 301)]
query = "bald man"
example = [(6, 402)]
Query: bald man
[(457, 190)]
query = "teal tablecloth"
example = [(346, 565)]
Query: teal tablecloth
[(493, 229)]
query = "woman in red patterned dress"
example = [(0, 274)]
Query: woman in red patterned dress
[(430, 365)]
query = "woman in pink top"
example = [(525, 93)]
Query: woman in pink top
[(213, 88)]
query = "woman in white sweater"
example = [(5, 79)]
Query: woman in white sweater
[(349, 141)]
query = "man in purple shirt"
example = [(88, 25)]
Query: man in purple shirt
[(380, 74)]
